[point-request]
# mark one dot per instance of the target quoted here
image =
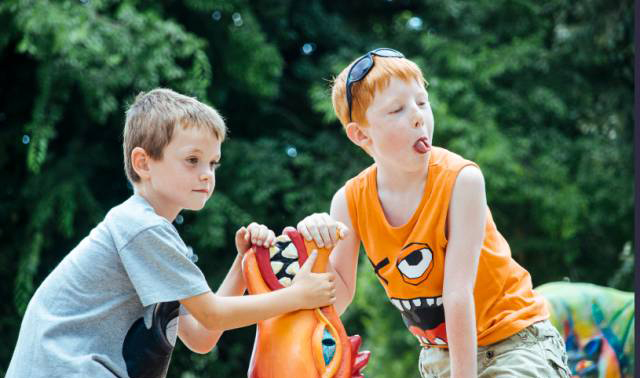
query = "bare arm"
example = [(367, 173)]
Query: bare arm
[(309, 290), (343, 261), (467, 218), (193, 334)]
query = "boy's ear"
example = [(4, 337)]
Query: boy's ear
[(358, 134), (140, 162)]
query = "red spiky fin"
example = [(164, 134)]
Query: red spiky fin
[(358, 359)]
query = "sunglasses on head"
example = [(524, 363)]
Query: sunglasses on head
[(363, 65)]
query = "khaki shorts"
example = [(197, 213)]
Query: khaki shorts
[(536, 351)]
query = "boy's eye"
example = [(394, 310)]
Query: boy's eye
[(214, 165), (192, 160), (398, 110)]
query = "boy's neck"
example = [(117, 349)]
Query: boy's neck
[(397, 180), (158, 205)]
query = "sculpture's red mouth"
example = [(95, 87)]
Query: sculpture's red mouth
[(279, 264)]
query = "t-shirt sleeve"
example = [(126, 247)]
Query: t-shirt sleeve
[(157, 263)]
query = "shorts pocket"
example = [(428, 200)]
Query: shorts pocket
[(554, 349)]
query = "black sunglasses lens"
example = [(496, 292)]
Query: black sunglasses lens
[(360, 69), (387, 53)]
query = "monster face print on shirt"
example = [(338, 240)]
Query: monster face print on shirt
[(407, 281)]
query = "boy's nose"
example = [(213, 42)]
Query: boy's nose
[(418, 118), (418, 121)]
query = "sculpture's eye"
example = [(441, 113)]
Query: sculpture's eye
[(416, 265), (328, 347)]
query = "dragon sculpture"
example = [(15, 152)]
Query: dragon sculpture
[(303, 343)]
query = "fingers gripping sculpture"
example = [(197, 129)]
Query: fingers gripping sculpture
[(304, 343)]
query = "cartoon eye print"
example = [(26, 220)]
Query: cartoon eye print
[(416, 264)]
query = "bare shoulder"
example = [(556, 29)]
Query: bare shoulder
[(470, 176), (340, 197), (339, 207), (469, 187), (340, 212)]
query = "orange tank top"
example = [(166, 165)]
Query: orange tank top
[(409, 260)]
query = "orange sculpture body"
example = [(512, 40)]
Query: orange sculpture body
[(304, 343)]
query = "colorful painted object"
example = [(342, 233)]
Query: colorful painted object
[(304, 343), (597, 324)]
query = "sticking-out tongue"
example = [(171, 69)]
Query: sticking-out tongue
[(422, 146)]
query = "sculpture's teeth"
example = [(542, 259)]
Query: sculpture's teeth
[(293, 268), (430, 301), (406, 304), (282, 239), (290, 252), (276, 266), (417, 302), (439, 301), (272, 251), (439, 341), (285, 281)]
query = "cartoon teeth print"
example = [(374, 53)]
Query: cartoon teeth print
[(424, 317)]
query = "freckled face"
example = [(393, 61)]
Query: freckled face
[(400, 125)]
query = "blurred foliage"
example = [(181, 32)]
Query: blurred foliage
[(537, 92)]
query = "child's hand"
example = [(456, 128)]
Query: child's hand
[(254, 234), (314, 289), (323, 229)]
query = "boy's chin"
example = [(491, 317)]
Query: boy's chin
[(195, 206)]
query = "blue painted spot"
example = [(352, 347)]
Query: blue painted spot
[(328, 347)]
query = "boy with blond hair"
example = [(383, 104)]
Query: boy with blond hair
[(115, 304), (421, 213)]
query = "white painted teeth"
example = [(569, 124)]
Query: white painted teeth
[(290, 252), (397, 304), (293, 268), (272, 251), (439, 341), (282, 239), (414, 303), (276, 266), (285, 281)]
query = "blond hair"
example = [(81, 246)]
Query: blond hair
[(363, 91), (152, 117)]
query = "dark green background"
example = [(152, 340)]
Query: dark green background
[(539, 93)]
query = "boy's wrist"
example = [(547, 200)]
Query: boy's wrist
[(294, 295)]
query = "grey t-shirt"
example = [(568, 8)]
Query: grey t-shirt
[(110, 309)]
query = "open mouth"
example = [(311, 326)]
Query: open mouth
[(424, 316), (279, 264)]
